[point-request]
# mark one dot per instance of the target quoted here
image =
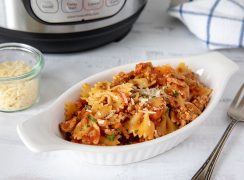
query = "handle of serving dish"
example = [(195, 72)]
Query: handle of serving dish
[(217, 65), (205, 172), (218, 61), (38, 136)]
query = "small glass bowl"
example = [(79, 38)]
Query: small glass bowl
[(22, 91)]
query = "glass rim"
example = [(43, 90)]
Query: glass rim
[(35, 70)]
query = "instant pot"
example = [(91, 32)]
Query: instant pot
[(67, 25)]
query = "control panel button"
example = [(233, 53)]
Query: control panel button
[(48, 6), (110, 3), (71, 5), (66, 11), (93, 4)]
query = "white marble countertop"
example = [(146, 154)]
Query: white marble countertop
[(155, 35)]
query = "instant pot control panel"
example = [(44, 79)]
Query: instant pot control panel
[(65, 11)]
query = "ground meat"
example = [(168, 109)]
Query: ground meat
[(143, 68), (186, 113), (68, 126), (200, 101), (122, 78)]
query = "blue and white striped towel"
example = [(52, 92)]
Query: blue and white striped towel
[(219, 23)]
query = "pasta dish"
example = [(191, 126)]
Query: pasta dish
[(141, 105)]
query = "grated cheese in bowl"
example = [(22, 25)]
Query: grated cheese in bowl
[(17, 94), (19, 79)]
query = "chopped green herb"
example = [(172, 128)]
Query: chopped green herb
[(91, 118), (110, 137), (175, 93), (167, 110), (144, 95), (87, 107)]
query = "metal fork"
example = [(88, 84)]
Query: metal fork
[(236, 113)]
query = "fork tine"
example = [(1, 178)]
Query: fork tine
[(234, 102)]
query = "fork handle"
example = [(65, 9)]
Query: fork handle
[(205, 172)]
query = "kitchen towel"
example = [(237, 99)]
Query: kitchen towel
[(218, 23)]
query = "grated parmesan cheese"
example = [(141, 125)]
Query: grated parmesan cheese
[(149, 93), (17, 94), (152, 92)]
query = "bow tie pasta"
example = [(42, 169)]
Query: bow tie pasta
[(141, 105)]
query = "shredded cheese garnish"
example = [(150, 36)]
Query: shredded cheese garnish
[(152, 92)]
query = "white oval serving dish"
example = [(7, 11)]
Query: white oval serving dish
[(41, 132)]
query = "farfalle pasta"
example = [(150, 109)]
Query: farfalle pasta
[(141, 105)]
